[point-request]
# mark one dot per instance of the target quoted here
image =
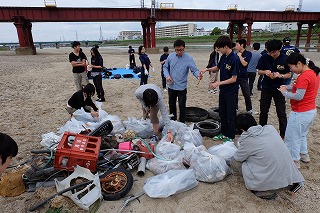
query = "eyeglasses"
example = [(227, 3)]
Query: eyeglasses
[(179, 50)]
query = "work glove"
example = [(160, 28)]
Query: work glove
[(146, 72)]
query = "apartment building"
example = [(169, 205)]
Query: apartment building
[(129, 35), (282, 26), (176, 30)]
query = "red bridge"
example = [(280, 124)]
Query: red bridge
[(22, 17)]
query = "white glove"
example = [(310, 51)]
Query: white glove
[(146, 72), (153, 69)]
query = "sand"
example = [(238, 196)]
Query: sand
[(35, 89)]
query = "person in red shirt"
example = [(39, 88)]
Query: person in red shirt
[(303, 105)]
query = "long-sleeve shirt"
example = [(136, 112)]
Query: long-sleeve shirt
[(77, 101), (178, 68), (161, 104)]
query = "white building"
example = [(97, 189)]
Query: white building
[(200, 32), (176, 31), (129, 35), (283, 26)]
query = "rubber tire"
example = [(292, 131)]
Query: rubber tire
[(209, 128), (125, 189), (214, 113), (196, 114)]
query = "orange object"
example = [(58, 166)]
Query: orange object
[(77, 149), (144, 148)]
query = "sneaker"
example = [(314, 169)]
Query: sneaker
[(102, 100), (296, 187), (305, 158), (165, 90), (252, 112), (98, 99), (265, 195), (228, 140), (154, 139), (219, 137)]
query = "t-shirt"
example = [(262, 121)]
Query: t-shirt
[(229, 66), (79, 58), (144, 59), (287, 50), (279, 64), (243, 73), (131, 51), (97, 62), (310, 82), (213, 60), (252, 66), (77, 101), (162, 58)]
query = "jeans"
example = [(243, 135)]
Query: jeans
[(227, 113), (97, 81), (182, 99), (244, 85), (252, 78), (297, 131), (280, 102), (164, 80)]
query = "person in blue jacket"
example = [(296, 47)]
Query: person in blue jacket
[(146, 64)]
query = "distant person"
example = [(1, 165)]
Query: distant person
[(132, 59), (8, 150), (245, 58), (274, 69), (78, 62), (252, 67), (287, 49), (261, 76), (213, 62), (176, 70), (264, 160), (146, 64), (150, 97), (82, 98), (163, 59), (228, 86), (96, 72), (303, 105)]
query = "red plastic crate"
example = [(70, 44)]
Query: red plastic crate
[(82, 151)]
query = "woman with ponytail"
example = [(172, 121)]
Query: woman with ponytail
[(302, 97)]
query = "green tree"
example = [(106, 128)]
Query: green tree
[(216, 31)]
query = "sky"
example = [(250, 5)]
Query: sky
[(69, 31)]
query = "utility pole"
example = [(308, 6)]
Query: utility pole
[(300, 5), (76, 35), (101, 36), (142, 3)]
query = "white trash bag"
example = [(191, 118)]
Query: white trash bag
[(208, 168), (226, 150), (142, 127), (159, 166), (169, 183)]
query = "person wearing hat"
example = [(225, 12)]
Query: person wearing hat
[(287, 49)]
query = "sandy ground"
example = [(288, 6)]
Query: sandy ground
[(35, 89)]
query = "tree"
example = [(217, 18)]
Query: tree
[(216, 31)]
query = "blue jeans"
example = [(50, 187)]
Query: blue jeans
[(227, 113), (296, 132)]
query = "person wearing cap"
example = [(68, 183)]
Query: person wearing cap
[(287, 49)]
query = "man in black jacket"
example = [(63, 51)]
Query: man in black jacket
[(82, 98)]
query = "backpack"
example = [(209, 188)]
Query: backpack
[(116, 76)]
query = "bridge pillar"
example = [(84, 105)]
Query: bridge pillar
[(298, 34), (231, 25), (144, 33), (309, 35), (240, 26), (249, 32), (148, 37), (153, 33), (25, 36)]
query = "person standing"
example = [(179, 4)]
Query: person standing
[(150, 97), (229, 69), (132, 60), (303, 105), (176, 71), (287, 49), (163, 59), (245, 58), (252, 67), (274, 69), (146, 64), (77, 60), (213, 62), (96, 72), (8, 150)]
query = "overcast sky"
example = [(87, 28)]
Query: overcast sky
[(91, 31)]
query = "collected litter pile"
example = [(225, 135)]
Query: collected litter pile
[(89, 160)]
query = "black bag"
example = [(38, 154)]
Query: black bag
[(117, 76), (127, 75), (132, 65), (136, 70)]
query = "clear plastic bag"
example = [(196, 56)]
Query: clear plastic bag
[(169, 183), (159, 166), (226, 150), (188, 135), (208, 168), (142, 127)]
